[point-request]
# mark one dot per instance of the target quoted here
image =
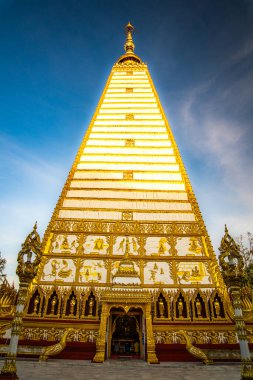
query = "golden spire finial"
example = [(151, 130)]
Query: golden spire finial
[(129, 45)]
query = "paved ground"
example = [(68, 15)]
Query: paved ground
[(122, 370)]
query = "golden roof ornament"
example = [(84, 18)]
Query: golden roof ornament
[(129, 45), (129, 58)]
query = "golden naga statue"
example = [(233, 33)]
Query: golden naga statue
[(231, 261), (29, 257), (194, 351), (56, 348), (8, 296), (235, 273)]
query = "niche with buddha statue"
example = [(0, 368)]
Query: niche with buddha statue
[(90, 306), (216, 306), (162, 307), (199, 309), (71, 306), (181, 307), (53, 305), (36, 304)]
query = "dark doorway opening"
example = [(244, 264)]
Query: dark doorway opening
[(125, 334)]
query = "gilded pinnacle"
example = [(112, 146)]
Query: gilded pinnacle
[(129, 45)]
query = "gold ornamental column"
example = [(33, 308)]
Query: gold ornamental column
[(28, 261), (100, 343), (151, 354), (233, 272)]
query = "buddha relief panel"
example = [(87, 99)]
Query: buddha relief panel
[(125, 245), (157, 273), (193, 273), (189, 246), (65, 244), (96, 245), (59, 269), (157, 246), (92, 271)]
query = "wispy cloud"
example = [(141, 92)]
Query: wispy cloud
[(23, 159), (32, 197), (223, 143)]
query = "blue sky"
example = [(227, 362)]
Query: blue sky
[(55, 58)]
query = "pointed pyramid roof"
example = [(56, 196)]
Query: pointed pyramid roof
[(128, 178)]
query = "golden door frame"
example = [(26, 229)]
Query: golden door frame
[(125, 301)]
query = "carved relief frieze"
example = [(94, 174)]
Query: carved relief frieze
[(198, 337), (126, 227), (95, 244), (157, 273), (125, 243), (92, 271), (189, 246), (59, 269), (192, 273), (55, 334), (157, 246), (64, 244)]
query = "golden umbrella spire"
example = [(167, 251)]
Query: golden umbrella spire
[(129, 45)]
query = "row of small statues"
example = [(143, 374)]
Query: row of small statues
[(72, 304), (162, 306), (180, 307)]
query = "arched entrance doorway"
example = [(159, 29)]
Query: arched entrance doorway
[(125, 335), (133, 304)]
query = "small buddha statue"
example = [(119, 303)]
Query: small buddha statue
[(161, 307), (180, 306), (91, 305), (72, 305), (65, 244), (53, 304), (198, 307), (217, 307), (36, 304)]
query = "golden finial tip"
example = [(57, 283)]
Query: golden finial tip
[(129, 45), (129, 27)]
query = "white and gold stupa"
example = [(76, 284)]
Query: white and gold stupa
[(127, 245)]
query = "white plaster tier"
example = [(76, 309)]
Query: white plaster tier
[(128, 110), (128, 150), (127, 95), (130, 79), (127, 105), (170, 217), (124, 73), (119, 176), (118, 127), (141, 122), (127, 158), (126, 205), (126, 185), (138, 84), (128, 166), (142, 143), (137, 116), (135, 135), (135, 90), (115, 215), (126, 194)]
